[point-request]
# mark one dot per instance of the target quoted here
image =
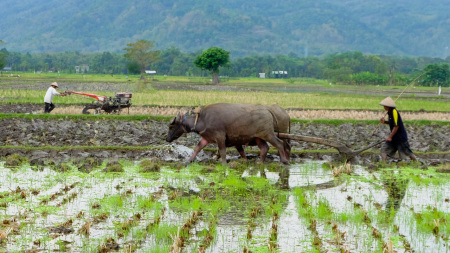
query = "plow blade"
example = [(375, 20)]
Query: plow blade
[(344, 151)]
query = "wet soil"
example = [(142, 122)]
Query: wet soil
[(104, 139)]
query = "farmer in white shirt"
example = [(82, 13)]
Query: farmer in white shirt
[(48, 99)]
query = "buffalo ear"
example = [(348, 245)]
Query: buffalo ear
[(173, 120)]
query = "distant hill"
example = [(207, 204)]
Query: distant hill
[(302, 27)]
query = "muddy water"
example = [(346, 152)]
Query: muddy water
[(364, 188)]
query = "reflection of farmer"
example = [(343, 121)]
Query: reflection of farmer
[(48, 99), (396, 185), (398, 138)]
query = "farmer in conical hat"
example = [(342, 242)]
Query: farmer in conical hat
[(48, 99), (398, 138)]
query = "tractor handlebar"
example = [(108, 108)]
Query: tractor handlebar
[(98, 97)]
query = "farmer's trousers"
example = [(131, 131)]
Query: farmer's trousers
[(49, 107)]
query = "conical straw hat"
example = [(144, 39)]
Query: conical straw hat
[(388, 102)]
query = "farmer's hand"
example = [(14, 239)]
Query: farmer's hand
[(389, 139), (382, 120)]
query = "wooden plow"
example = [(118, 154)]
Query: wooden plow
[(344, 151)]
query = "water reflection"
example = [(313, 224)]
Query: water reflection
[(284, 178), (296, 175), (395, 184)]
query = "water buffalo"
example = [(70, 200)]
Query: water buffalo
[(230, 125)]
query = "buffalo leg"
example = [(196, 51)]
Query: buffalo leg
[(239, 148), (241, 151), (287, 148), (281, 149), (263, 147), (198, 148), (223, 152)]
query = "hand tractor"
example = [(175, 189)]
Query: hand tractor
[(108, 105)]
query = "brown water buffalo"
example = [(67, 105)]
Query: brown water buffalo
[(230, 125)]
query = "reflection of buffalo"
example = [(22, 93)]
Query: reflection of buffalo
[(231, 125)]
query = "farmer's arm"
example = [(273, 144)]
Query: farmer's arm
[(56, 93), (383, 120), (394, 131)]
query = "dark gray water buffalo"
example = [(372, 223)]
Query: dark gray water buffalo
[(230, 125)]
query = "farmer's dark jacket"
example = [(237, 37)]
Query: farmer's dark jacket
[(396, 120)]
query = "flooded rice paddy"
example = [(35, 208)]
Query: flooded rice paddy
[(247, 207)]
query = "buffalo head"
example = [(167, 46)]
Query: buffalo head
[(176, 128)]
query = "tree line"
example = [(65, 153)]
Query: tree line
[(340, 68)]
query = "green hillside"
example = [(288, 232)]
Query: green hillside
[(318, 27)]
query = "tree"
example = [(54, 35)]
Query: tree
[(211, 60), (437, 74), (141, 52), (133, 67)]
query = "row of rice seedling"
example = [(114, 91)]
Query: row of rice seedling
[(136, 210), (195, 98)]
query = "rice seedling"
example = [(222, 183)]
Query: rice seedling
[(108, 245), (4, 233), (430, 220), (388, 246), (178, 243), (85, 229), (344, 168), (208, 236)]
